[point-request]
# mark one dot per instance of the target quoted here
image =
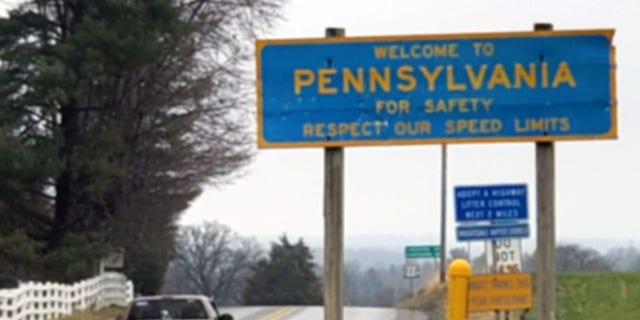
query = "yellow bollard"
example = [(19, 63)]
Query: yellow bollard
[(458, 287)]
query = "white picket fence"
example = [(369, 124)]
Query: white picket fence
[(44, 301)]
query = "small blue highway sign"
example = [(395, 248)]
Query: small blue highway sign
[(491, 202), (490, 232)]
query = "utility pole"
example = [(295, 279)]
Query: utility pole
[(333, 222), (546, 229)]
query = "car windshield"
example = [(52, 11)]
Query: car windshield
[(166, 309)]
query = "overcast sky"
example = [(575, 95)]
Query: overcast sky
[(396, 190)]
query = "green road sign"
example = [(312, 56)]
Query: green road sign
[(416, 252)]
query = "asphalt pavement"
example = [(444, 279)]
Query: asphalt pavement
[(317, 313)]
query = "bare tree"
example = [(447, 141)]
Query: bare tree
[(479, 263), (459, 253), (623, 258), (529, 262), (212, 260), (352, 290), (573, 257)]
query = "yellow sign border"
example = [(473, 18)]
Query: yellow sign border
[(263, 143)]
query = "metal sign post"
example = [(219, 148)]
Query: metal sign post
[(443, 215), (413, 254), (411, 271)]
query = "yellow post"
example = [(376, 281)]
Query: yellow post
[(458, 287)]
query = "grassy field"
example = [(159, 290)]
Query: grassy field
[(611, 295), (580, 296)]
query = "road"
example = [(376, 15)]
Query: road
[(316, 313)]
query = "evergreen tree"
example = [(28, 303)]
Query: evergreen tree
[(113, 116), (285, 278)]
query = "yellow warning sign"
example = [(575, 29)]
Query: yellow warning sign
[(488, 292)]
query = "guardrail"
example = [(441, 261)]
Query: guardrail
[(45, 301)]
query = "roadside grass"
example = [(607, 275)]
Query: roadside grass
[(602, 295), (431, 300), (103, 314)]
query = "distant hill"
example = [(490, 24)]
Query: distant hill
[(383, 250)]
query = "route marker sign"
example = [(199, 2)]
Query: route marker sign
[(411, 271), (417, 252), (435, 89), (509, 291), (491, 202)]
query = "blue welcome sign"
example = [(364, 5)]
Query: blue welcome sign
[(491, 87)]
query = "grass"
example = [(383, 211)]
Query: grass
[(431, 300), (107, 313), (610, 295), (579, 296)]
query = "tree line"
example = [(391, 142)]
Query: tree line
[(571, 257), (114, 115), (211, 259)]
